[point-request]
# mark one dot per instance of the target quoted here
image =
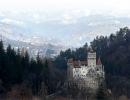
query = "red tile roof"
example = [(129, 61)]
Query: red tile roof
[(70, 60), (77, 64), (99, 61)]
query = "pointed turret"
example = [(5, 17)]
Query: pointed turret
[(99, 61)]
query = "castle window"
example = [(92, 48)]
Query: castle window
[(97, 69)]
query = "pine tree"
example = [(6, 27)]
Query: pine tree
[(2, 56)]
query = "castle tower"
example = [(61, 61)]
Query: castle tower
[(91, 58)]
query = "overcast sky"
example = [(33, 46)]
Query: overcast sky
[(103, 5), (47, 17)]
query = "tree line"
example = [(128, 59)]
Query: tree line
[(26, 75)]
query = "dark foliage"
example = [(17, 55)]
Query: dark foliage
[(19, 69), (102, 93)]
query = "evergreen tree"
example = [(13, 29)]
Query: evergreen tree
[(2, 57), (18, 69)]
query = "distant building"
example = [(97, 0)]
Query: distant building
[(88, 73)]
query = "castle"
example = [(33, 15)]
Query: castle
[(88, 73)]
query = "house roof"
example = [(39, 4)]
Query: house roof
[(78, 63)]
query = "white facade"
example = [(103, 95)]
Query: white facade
[(80, 72)]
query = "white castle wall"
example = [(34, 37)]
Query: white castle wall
[(80, 72)]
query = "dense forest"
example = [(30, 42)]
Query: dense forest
[(22, 75)]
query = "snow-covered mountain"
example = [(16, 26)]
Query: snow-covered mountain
[(34, 45)]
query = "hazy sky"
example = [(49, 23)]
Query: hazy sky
[(103, 5), (55, 18)]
